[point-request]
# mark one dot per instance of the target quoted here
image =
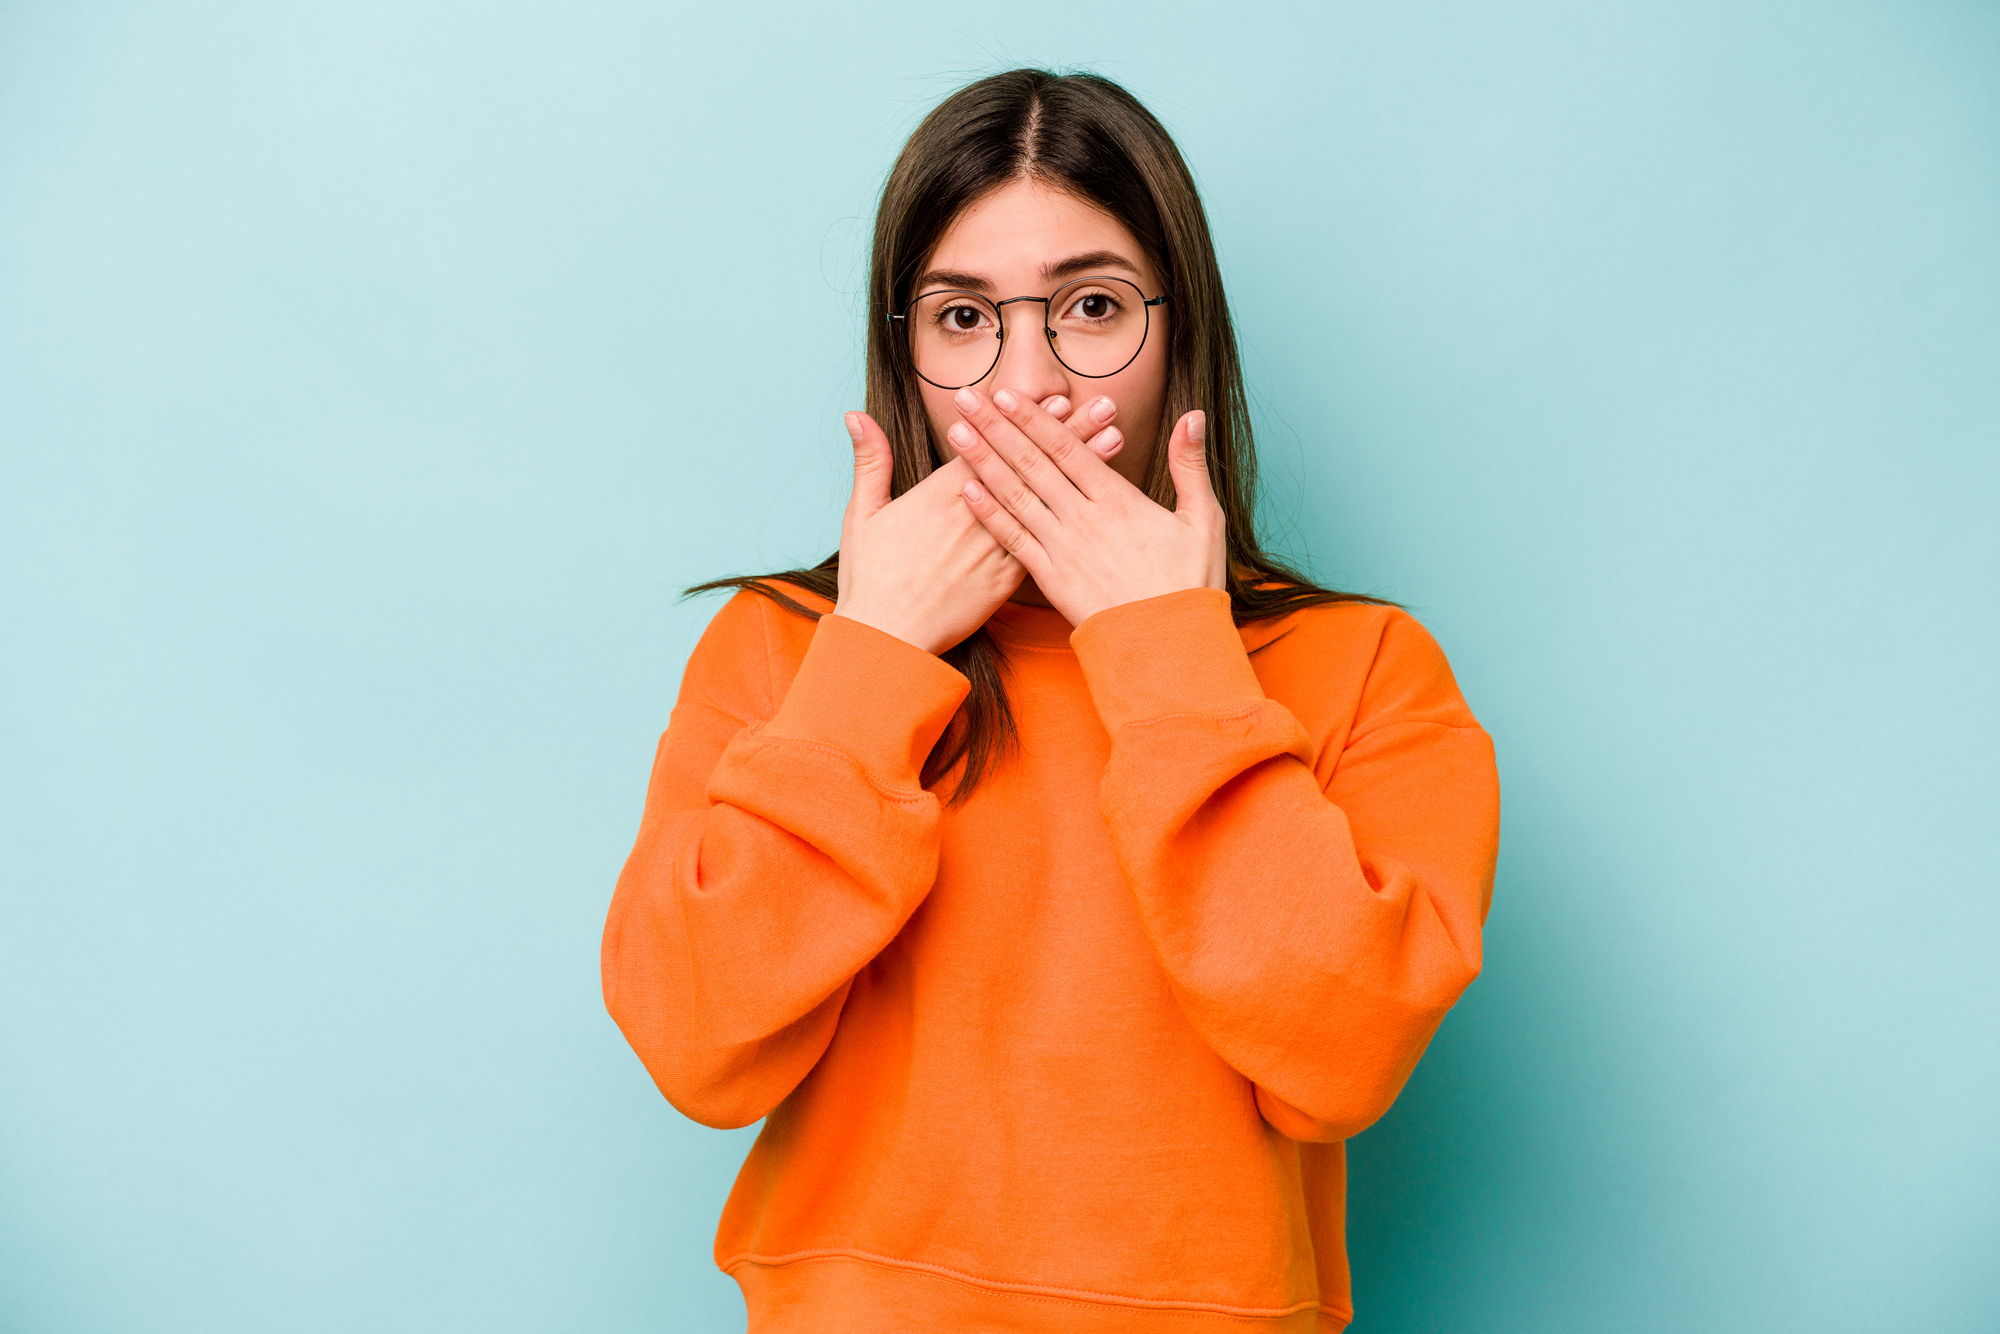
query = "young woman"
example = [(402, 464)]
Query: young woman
[(1059, 876)]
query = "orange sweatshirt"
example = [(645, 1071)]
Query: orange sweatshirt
[(1080, 1054)]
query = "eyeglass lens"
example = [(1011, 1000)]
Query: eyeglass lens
[(1097, 326)]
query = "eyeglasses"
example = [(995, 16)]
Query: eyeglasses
[(1095, 327)]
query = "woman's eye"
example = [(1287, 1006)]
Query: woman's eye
[(966, 318), (1094, 306)]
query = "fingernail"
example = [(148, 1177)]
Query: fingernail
[(1057, 406), (854, 427), (1004, 400), (967, 400), (1101, 410), (1107, 440), (961, 435), (973, 493), (1198, 427)]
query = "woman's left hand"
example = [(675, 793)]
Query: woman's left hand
[(1089, 538)]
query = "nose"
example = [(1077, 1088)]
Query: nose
[(1027, 364)]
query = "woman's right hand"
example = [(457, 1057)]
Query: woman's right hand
[(921, 567)]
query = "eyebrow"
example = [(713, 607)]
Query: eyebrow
[(1075, 264), (951, 278), (1095, 259)]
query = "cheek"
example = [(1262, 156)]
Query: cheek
[(941, 414), (1140, 390)]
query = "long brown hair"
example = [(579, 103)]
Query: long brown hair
[(1089, 137)]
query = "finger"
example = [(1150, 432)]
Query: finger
[(1007, 530), (1000, 480), (1187, 464), (1029, 462), (873, 464), (1107, 442), (1062, 443)]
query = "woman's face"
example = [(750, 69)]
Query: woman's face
[(1026, 239)]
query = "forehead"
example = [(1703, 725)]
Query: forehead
[(1009, 235)]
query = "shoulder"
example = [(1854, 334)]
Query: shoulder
[(1328, 636), (770, 607), (756, 638), (1364, 662)]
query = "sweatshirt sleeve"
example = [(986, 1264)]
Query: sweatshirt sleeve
[(1316, 914), (781, 848)]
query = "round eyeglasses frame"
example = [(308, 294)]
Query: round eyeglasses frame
[(1000, 334)]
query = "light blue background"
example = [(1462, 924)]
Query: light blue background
[(372, 375)]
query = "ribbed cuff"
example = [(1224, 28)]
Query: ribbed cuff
[(1176, 653), (872, 696)]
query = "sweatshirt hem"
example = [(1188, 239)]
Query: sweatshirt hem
[(1111, 1303)]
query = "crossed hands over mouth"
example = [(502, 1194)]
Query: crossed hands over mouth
[(1089, 538), (1032, 493)]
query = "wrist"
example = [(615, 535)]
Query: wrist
[(1107, 599), (888, 624)]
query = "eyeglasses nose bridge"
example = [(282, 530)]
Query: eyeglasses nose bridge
[(1001, 331)]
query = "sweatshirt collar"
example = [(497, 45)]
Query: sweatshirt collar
[(1018, 623)]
